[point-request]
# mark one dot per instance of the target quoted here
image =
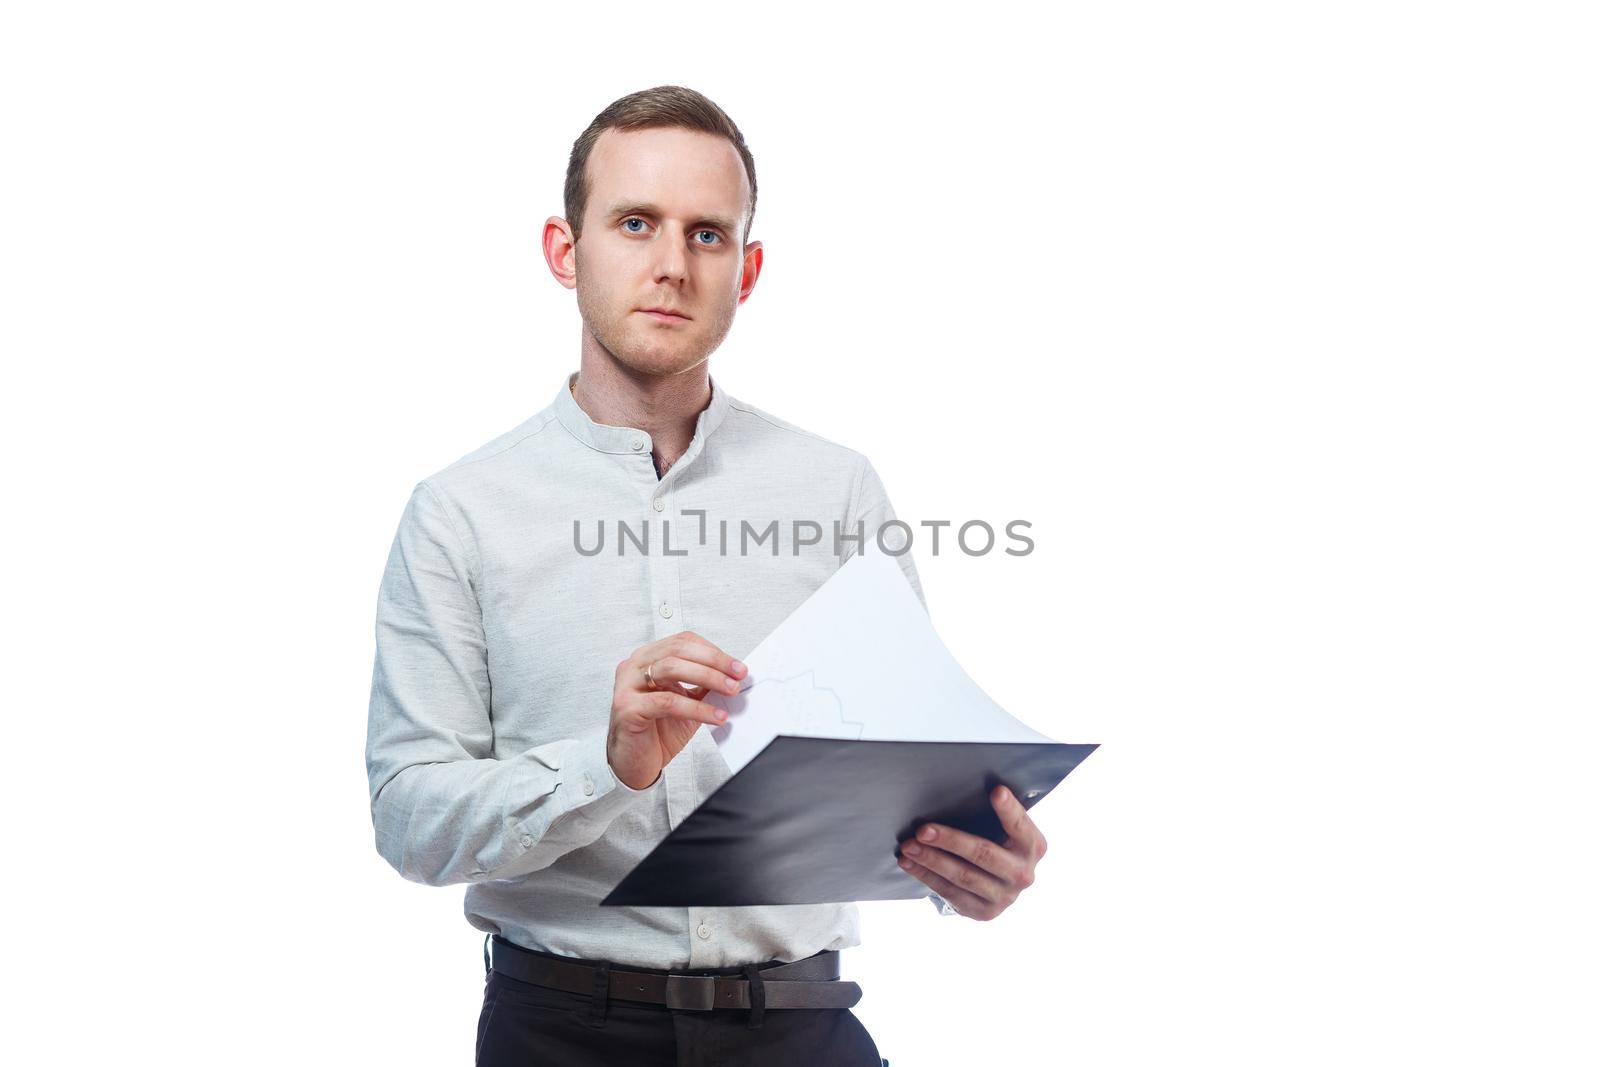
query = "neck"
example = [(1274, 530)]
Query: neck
[(664, 406)]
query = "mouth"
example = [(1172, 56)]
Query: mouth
[(664, 315)]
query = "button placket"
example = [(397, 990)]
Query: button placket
[(680, 791), (668, 620), (702, 951), (681, 783), (661, 606)]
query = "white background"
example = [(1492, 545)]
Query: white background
[(1278, 321)]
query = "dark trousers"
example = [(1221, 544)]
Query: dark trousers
[(531, 1026)]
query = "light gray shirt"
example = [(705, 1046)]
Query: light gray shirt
[(499, 631)]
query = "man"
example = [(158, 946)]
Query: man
[(535, 724)]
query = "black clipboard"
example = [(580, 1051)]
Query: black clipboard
[(815, 820)]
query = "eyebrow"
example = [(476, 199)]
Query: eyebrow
[(618, 211)]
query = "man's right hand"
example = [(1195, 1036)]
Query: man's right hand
[(650, 725)]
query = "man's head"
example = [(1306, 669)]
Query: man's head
[(660, 194)]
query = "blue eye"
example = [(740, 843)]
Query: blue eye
[(626, 221), (713, 233)]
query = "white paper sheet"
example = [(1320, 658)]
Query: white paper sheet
[(858, 659)]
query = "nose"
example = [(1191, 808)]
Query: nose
[(671, 258)]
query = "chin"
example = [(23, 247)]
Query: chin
[(653, 359)]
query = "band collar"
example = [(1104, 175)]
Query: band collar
[(626, 440)]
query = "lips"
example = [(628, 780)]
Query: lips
[(665, 314)]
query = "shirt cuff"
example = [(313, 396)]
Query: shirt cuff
[(942, 904), (597, 792)]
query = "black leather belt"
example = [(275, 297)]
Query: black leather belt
[(809, 983)]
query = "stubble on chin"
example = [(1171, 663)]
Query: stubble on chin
[(628, 338)]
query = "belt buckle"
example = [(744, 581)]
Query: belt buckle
[(691, 992)]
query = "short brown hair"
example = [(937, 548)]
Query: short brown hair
[(663, 106)]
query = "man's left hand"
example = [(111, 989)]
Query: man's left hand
[(979, 878)]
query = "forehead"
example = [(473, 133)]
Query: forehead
[(685, 172)]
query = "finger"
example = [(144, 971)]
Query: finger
[(963, 901), (980, 851), (691, 646), (663, 704), (956, 870), (693, 692), (1019, 825), (675, 669)]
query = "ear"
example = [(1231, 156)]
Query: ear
[(752, 270), (561, 251)]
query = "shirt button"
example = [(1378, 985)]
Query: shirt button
[(704, 932), (527, 840), (638, 443), (588, 786), (666, 610), (658, 504)]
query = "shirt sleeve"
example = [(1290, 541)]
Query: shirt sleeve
[(444, 808), (870, 514)]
